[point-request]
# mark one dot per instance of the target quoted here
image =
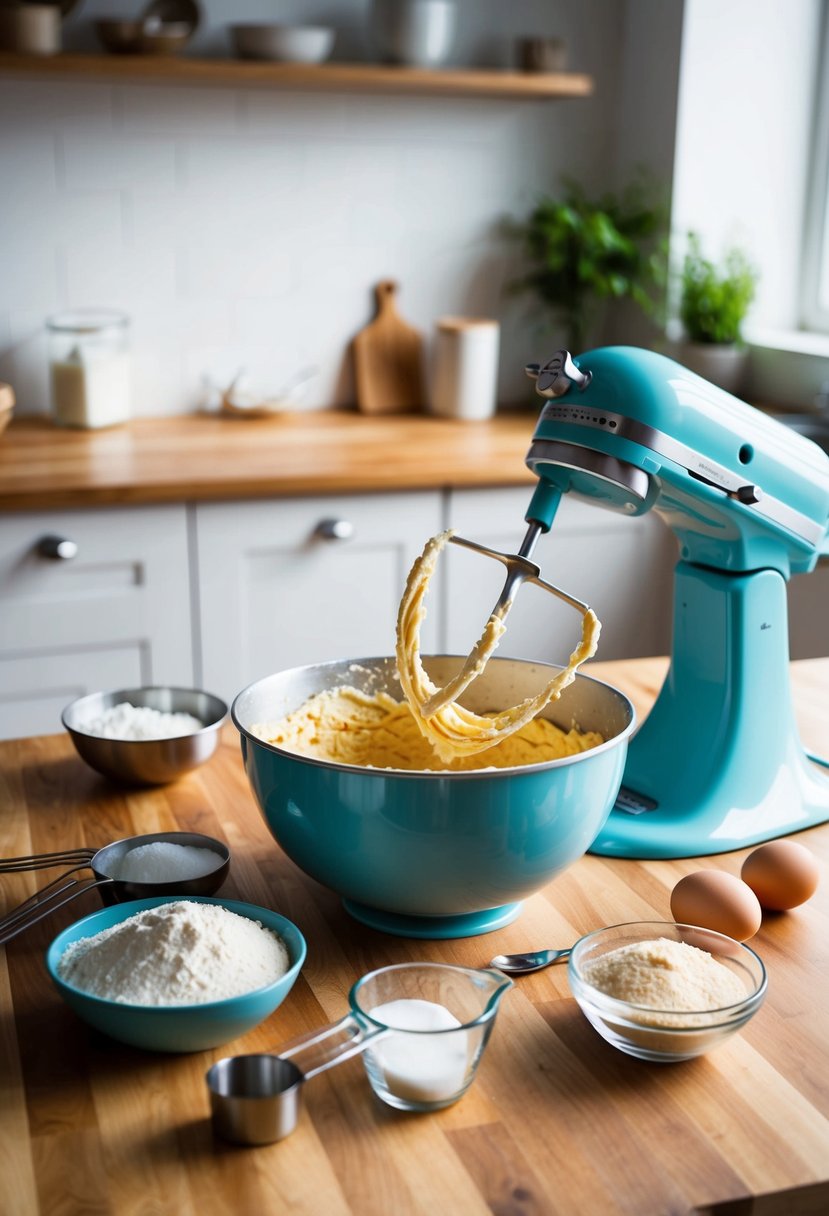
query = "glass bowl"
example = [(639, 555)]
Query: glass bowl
[(660, 1035)]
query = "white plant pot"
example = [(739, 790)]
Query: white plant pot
[(722, 365)]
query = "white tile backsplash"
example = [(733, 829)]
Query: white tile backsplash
[(179, 109), (98, 272), (248, 226), (118, 162)]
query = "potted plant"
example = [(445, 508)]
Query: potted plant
[(584, 252), (713, 304)]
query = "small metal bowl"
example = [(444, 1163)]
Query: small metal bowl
[(177, 1028), (146, 761), (665, 1036)]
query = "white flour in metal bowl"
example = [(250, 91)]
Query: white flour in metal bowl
[(140, 722), (180, 953)]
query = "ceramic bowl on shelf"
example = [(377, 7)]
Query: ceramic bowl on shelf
[(164, 28), (283, 43), (146, 761), (177, 1028), (435, 854), (6, 405), (664, 1036)]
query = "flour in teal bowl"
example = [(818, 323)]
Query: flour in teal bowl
[(179, 953)]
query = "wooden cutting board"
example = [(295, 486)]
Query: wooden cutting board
[(388, 360)]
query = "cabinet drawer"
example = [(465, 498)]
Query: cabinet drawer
[(118, 612), (282, 584)]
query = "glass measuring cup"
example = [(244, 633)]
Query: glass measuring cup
[(422, 1029)]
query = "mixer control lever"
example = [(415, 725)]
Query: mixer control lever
[(749, 495), (558, 375)]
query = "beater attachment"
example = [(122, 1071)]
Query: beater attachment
[(520, 570), (453, 729)]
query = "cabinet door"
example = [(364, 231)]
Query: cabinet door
[(286, 583), (115, 615), (621, 567), (809, 613)]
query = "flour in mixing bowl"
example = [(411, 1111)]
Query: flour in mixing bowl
[(180, 953)]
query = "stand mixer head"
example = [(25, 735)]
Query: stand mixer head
[(718, 763)]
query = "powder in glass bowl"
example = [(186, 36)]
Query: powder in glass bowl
[(163, 861), (666, 975), (180, 953)]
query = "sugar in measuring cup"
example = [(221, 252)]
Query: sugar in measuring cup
[(421, 1028)]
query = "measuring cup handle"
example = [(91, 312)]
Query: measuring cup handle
[(42, 861), (44, 902), (339, 1042)]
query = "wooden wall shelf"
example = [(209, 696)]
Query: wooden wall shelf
[(329, 77)]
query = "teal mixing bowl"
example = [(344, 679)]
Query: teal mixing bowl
[(435, 854), (177, 1027)]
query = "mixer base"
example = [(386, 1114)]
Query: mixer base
[(718, 763), (468, 924)]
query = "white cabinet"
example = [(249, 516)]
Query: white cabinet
[(220, 594), (116, 614), (621, 567), (809, 613), (304, 580)]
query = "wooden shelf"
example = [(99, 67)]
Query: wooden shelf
[(339, 77)]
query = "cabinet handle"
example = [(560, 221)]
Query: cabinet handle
[(58, 548), (334, 529)]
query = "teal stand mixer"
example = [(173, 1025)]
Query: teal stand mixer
[(718, 763)]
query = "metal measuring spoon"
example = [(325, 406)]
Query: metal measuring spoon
[(534, 960), (104, 864)]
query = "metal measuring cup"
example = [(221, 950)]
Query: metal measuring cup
[(256, 1099), (104, 864)]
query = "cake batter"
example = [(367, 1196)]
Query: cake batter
[(452, 729), (346, 726)]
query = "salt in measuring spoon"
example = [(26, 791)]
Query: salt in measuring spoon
[(104, 864)]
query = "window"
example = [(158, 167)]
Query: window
[(815, 266)]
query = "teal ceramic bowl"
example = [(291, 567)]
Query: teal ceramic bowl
[(177, 1028), (434, 854)]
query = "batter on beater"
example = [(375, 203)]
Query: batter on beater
[(452, 729)]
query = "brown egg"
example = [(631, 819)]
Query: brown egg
[(719, 901), (782, 874)]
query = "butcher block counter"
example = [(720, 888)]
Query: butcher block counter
[(204, 457), (557, 1120)]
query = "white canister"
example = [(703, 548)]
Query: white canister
[(89, 365), (415, 33), (465, 367), (33, 29)]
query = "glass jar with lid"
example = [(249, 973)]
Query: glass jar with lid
[(89, 367)]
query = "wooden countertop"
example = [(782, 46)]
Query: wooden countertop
[(201, 457), (556, 1122)]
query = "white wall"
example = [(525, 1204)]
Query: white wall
[(246, 227)]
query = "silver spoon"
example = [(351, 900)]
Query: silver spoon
[(535, 960)]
